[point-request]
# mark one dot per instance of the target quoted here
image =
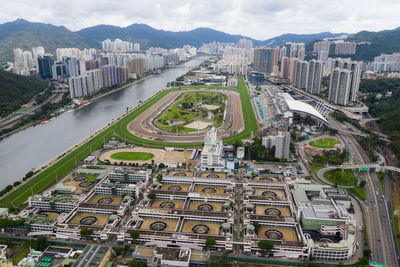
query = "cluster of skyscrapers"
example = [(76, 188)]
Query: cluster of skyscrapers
[(307, 75), (89, 70), (344, 81)]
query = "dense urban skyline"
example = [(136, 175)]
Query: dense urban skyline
[(254, 18)]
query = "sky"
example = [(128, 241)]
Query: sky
[(258, 19)]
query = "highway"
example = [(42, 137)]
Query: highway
[(382, 242), (16, 117)]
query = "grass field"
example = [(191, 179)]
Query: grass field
[(325, 142), (341, 177), (55, 172), (132, 156), (358, 192)]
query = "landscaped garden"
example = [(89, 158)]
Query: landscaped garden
[(193, 112), (325, 142)]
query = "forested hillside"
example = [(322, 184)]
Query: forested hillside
[(16, 90), (383, 98)]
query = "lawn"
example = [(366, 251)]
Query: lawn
[(341, 177), (315, 167), (358, 192), (91, 177), (132, 156), (325, 142), (67, 163), (20, 252)]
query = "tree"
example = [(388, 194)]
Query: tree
[(41, 243), (341, 264), (367, 253), (152, 195), (134, 235), (265, 246), (333, 131), (136, 263), (256, 227), (210, 242), (86, 232), (161, 166), (159, 177), (30, 243)]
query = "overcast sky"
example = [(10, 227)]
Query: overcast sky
[(259, 19)]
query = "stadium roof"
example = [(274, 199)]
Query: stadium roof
[(301, 107)]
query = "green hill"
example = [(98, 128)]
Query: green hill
[(372, 44), (25, 35), (16, 90)]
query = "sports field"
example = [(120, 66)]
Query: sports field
[(325, 142), (67, 163), (132, 156)]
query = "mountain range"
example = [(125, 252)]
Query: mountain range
[(25, 35)]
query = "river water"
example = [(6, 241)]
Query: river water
[(30, 148)]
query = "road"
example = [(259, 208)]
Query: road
[(16, 117), (383, 245)]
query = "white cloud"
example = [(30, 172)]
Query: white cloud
[(259, 19)]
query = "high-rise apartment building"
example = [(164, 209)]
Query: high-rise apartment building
[(45, 64), (136, 65), (265, 59), (292, 68), (91, 64), (281, 142), (122, 74), (109, 75), (36, 52), (322, 46), (339, 86), (301, 74), (59, 70), (345, 48), (285, 65), (355, 75), (282, 52), (245, 43), (297, 51), (314, 78), (87, 84)]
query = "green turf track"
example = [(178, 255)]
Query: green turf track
[(50, 175)]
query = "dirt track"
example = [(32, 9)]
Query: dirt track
[(143, 127)]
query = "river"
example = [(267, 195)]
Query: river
[(31, 147)]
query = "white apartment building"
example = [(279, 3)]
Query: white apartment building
[(211, 155)]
